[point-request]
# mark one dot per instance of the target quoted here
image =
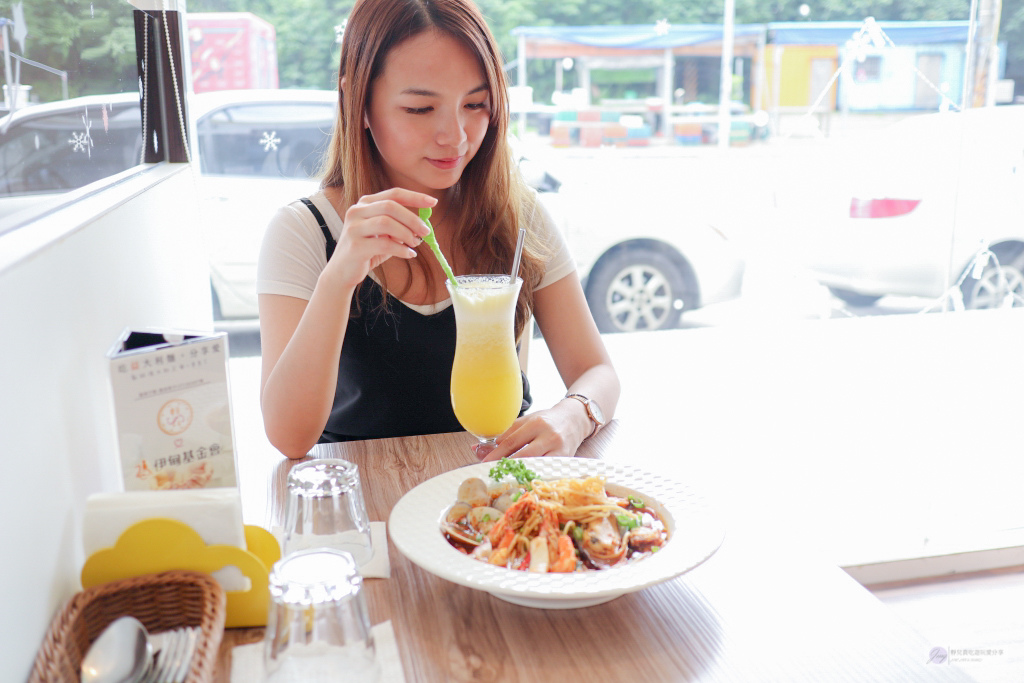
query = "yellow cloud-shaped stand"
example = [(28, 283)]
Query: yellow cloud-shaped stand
[(158, 545)]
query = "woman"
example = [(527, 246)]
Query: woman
[(358, 337)]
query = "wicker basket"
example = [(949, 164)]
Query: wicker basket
[(160, 601)]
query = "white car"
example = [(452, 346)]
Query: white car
[(643, 264), (932, 207), (645, 277), (258, 150)]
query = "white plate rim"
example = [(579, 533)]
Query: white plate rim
[(697, 533)]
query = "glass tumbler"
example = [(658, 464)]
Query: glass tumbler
[(318, 627), (325, 509)]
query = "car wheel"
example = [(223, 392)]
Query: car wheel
[(1001, 277), (853, 298), (637, 289)]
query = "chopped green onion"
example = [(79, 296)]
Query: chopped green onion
[(577, 533), (627, 521), (655, 548), (636, 502), (515, 496)]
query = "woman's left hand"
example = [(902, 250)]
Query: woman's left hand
[(552, 432)]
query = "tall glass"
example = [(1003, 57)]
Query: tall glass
[(487, 388)]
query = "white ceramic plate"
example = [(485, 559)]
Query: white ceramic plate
[(695, 534)]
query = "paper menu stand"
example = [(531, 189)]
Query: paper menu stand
[(172, 406)]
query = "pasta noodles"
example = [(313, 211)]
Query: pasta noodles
[(562, 525)]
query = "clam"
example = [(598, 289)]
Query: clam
[(474, 492), (483, 518), (457, 512), (461, 536), (502, 502)]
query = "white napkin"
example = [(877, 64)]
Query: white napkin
[(247, 660), (215, 514), (379, 564)]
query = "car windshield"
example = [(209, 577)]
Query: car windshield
[(282, 140), (68, 148)]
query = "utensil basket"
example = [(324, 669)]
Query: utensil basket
[(162, 602)]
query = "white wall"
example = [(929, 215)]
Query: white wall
[(69, 284)]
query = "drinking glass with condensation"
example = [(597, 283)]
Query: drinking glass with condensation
[(326, 509), (487, 383), (318, 626)]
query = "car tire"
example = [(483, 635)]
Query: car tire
[(637, 289), (1002, 276), (854, 298)]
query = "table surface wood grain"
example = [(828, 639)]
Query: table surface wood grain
[(757, 610)]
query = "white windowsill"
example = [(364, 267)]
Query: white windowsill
[(61, 217)]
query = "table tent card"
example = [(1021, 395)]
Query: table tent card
[(172, 405)]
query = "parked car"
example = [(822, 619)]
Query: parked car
[(931, 207), (258, 150), (644, 264)]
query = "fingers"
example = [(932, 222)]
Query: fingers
[(532, 436), (385, 218)]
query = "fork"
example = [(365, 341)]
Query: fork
[(174, 656)]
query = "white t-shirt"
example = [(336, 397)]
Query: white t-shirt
[(294, 252)]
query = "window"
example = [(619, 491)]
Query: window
[(76, 118), (49, 148), (284, 140), (869, 70)]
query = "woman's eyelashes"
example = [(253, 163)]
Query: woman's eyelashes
[(474, 106)]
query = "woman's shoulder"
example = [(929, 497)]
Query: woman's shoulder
[(298, 218)]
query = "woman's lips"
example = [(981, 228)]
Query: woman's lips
[(445, 164)]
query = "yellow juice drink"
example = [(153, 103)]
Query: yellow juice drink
[(487, 389)]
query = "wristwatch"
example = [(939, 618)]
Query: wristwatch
[(593, 411)]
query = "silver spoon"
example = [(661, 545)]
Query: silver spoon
[(121, 654)]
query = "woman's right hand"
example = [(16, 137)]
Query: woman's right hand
[(376, 228)]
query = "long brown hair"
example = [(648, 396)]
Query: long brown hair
[(490, 202)]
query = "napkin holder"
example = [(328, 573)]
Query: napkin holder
[(157, 545)]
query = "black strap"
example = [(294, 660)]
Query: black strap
[(323, 226)]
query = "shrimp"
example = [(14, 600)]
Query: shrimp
[(513, 517), (501, 553), (565, 560)]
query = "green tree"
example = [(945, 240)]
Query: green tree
[(93, 41)]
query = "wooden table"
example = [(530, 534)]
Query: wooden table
[(755, 611)]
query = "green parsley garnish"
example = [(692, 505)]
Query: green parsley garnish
[(510, 467)]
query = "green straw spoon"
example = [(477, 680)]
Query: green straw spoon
[(431, 241)]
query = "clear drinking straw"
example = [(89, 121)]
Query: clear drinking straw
[(519, 253)]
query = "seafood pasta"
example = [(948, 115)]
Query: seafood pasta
[(563, 525)]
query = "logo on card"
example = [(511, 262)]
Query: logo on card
[(174, 417)]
